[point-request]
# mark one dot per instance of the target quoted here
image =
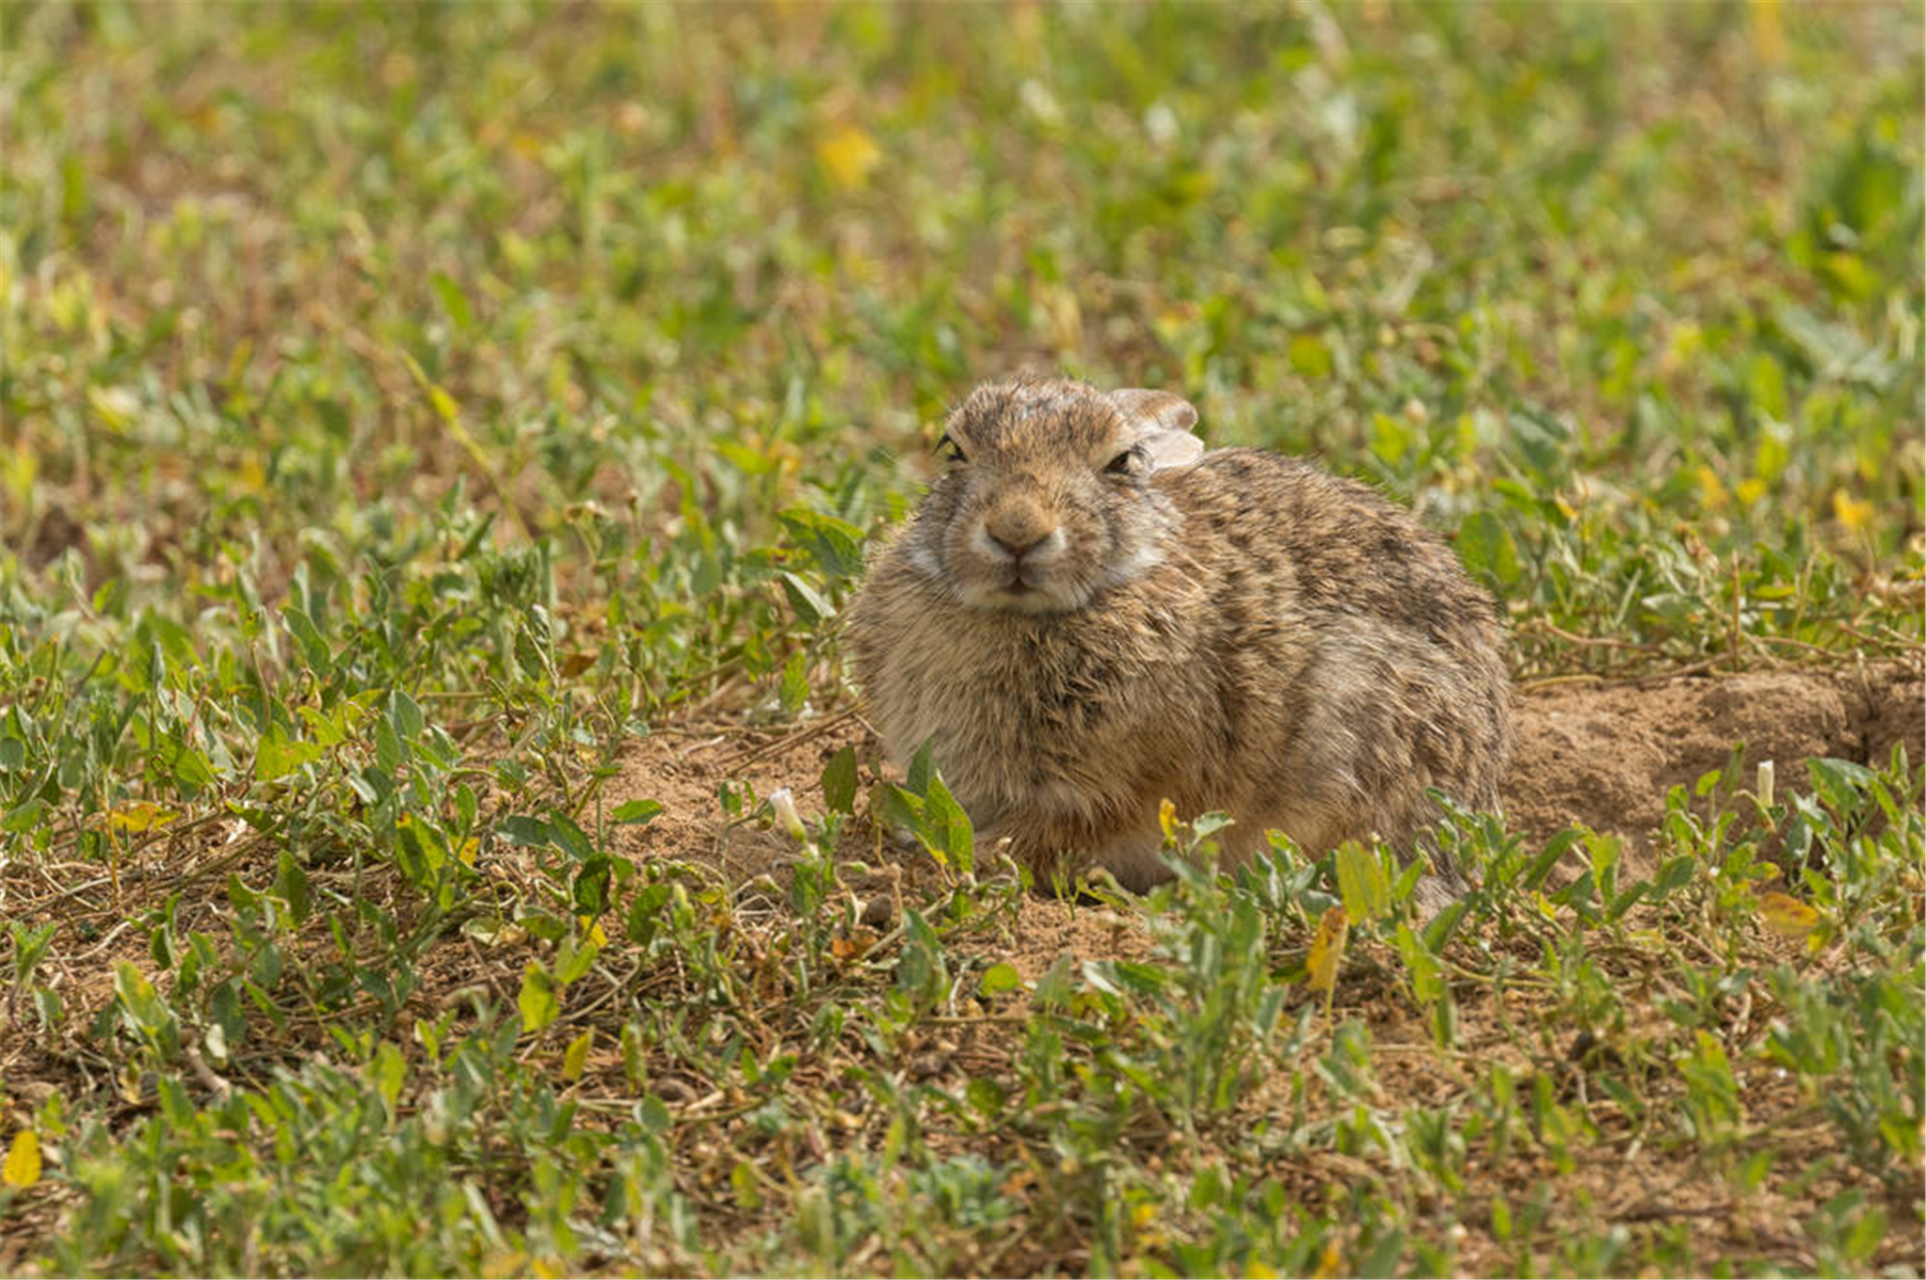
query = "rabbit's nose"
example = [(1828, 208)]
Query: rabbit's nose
[(1018, 530), (1016, 549)]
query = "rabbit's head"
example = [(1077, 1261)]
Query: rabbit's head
[(1046, 498)]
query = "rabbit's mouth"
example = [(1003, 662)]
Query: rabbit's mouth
[(1028, 591)]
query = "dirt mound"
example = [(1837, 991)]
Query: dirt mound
[(1606, 757), (1601, 756)]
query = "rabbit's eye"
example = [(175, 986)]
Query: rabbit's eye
[(949, 450), (1125, 463)]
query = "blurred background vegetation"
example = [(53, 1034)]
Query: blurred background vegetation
[(279, 279)]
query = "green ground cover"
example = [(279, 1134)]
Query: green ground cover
[(411, 410)]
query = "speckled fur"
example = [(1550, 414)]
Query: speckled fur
[(1244, 633)]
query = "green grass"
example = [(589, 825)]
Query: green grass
[(411, 409)]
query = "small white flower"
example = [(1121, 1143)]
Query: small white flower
[(1160, 123), (784, 803)]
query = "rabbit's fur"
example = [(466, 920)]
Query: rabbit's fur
[(1233, 630)]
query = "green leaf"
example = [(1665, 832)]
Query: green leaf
[(453, 301), (637, 811), (276, 756), (1675, 874), (1310, 355), (1549, 856), (1055, 988), (839, 781), (985, 1095), (1438, 932), (389, 1071), (922, 769), (1841, 784), (835, 545), (291, 886), (805, 600), (313, 647), (1427, 981), (793, 692), (644, 917), (654, 1114), (569, 836), (591, 892), (949, 828), (1362, 882), (404, 713), (29, 946), (24, 817), (903, 808), (389, 752), (999, 978), (575, 960), (1486, 546), (530, 833), (1542, 440)]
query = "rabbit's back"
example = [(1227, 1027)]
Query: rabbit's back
[(1368, 665)]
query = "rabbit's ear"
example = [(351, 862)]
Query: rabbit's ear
[(1164, 421), (1155, 410)]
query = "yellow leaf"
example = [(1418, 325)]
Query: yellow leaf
[(1786, 915), (445, 405), (848, 153), (1768, 32), (847, 949), (1065, 316), (117, 406), (1327, 949), (23, 1160), (1331, 1264), (26, 463), (1362, 882), (1712, 492), (142, 815), (500, 1266), (577, 1055), (1850, 511)]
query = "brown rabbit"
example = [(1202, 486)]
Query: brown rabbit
[(1089, 614)]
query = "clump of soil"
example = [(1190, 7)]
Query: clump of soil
[(1606, 757)]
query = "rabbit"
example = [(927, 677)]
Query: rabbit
[(1089, 613)]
